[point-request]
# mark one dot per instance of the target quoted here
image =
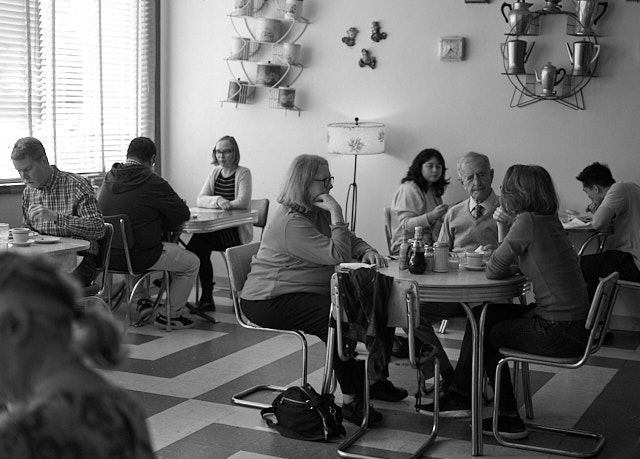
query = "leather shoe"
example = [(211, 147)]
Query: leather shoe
[(354, 412), (206, 304), (385, 390)]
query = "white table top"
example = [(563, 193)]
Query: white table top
[(207, 220), (65, 245)]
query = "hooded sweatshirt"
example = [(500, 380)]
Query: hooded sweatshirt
[(152, 206)]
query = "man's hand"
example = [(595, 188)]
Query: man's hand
[(371, 257), (40, 212)]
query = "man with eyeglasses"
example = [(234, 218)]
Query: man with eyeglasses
[(134, 189), (58, 203)]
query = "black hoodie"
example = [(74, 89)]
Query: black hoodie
[(152, 206)]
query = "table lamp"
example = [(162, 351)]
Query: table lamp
[(355, 139)]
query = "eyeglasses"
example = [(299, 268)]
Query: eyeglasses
[(223, 152), (327, 182)]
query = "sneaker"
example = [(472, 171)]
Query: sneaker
[(177, 323), (452, 405), (385, 390), (144, 307), (510, 427), (206, 304), (354, 411)]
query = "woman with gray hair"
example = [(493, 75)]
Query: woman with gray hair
[(57, 403), (289, 283)]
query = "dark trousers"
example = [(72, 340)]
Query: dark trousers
[(602, 264), (87, 270), (202, 244), (517, 327), (308, 313)]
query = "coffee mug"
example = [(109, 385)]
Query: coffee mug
[(289, 53), (21, 235), (267, 30), (475, 259)]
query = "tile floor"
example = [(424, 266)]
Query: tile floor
[(184, 381)]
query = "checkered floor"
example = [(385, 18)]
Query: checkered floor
[(185, 379)]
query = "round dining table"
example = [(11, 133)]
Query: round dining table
[(471, 288), (61, 250)]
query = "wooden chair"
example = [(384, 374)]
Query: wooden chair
[(403, 311), (239, 265), (596, 323), (123, 239)]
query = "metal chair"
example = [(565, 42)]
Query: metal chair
[(600, 237), (388, 232), (596, 323), (98, 292), (403, 311), (239, 265), (123, 240)]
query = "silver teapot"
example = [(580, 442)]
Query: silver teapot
[(588, 14), (549, 78), (583, 55), (516, 55), (519, 18)]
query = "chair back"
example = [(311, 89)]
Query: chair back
[(104, 247), (403, 311), (388, 232), (600, 312), (239, 264), (262, 206), (122, 236)]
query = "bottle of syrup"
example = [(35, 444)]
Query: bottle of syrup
[(417, 261)]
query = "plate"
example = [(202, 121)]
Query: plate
[(46, 239), (356, 265), (475, 268), (22, 244)]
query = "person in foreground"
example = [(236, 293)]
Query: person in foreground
[(289, 283), (466, 226), (418, 200), (58, 203), (227, 187), (134, 189), (59, 406), (617, 206), (554, 325)]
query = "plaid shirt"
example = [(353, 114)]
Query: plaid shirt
[(73, 198)]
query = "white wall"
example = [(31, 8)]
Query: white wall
[(455, 107)]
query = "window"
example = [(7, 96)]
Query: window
[(80, 76)]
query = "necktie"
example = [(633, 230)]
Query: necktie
[(477, 211)]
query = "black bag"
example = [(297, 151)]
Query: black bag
[(304, 414)]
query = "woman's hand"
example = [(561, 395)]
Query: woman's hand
[(224, 203), (437, 213), (327, 202), (503, 219), (372, 256)]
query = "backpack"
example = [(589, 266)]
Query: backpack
[(303, 414)]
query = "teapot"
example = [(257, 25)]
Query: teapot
[(519, 18), (583, 55), (548, 78), (516, 55), (587, 13)]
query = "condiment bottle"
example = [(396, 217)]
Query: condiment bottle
[(403, 255), (417, 262), (441, 257)]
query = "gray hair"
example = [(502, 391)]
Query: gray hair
[(297, 180), (471, 157)]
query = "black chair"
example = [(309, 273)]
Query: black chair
[(596, 323), (99, 292), (239, 265), (123, 239)]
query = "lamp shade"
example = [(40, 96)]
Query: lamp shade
[(356, 138)]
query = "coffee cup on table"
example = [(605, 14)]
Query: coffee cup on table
[(20, 235), (475, 259)]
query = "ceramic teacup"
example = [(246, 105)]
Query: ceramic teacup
[(475, 259), (20, 235)]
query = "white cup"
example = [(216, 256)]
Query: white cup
[(239, 48), (267, 30), (20, 235), (292, 9), (475, 259), (290, 54)]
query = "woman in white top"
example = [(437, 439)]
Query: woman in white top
[(227, 187), (418, 200)]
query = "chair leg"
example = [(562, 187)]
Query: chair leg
[(443, 327)]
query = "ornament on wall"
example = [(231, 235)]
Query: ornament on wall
[(350, 39), (376, 35), (367, 59)]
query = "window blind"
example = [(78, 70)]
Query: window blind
[(80, 76)]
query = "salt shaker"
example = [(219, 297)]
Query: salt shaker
[(441, 257)]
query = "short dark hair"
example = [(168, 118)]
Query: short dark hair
[(234, 146), (528, 188), (596, 174), (28, 147), (142, 148), (414, 174)]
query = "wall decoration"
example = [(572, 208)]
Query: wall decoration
[(376, 34), (350, 39), (367, 59), (451, 49)]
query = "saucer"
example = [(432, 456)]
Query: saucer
[(46, 239), (476, 268), (22, 244)]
